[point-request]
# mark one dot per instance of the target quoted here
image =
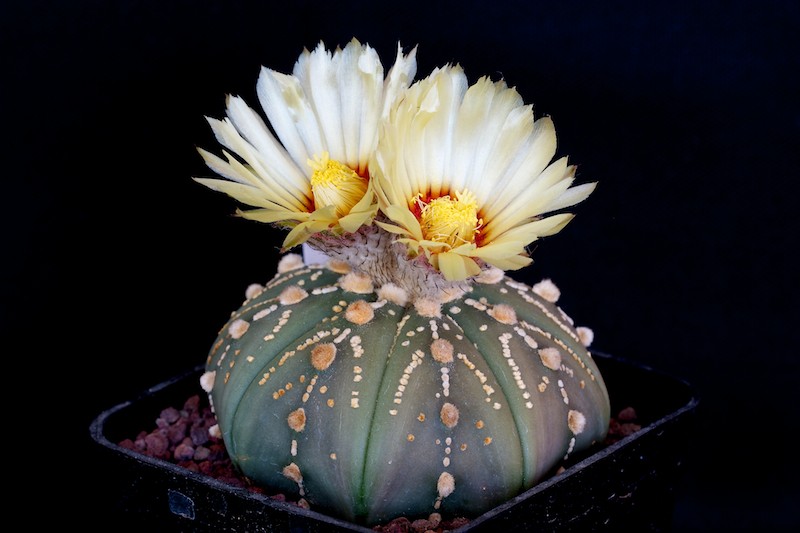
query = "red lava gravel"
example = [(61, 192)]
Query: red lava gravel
[(181, 437)]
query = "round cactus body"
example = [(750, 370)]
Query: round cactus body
[(371, 404)]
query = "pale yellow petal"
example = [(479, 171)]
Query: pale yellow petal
[(412, 244), (270, 216), (272, 193), (247, 194), (230, 138), (220, 166), (355, 219), (296, 237), (391, 228), (532, 201), (573, 195), (456, 267), (513, 262), (530, 231), (501, 250), (405, 218)]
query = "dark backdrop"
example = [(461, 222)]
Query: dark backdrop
[(118, 269)]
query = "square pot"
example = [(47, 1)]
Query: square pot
[(625, 486)]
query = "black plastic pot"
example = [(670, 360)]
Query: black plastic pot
[(626, 486)]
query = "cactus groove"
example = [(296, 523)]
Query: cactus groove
[(371, 407)]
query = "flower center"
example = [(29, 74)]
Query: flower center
[(335, 184), (453, 221)]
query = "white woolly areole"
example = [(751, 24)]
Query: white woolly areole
[(297, 419), (393, 293), (547, 290), (292, 471), (446, 484), (207, 380), (551, 358), (448, 294), (215, 432), (576, 422), (338, 266), (323, 355), (586, 335), (290, 262), (357, 283), (428, 307), (504, 314), (491, 276), (292, 295), (449, 415), (442, 350), (238, 328), (359, 312), (253, 290)]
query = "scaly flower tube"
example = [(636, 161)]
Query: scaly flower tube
[(462, 174), (314, 177)]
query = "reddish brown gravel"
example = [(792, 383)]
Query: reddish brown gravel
[(181, 437)]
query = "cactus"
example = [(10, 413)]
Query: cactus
[(369, 407), (407, 374)]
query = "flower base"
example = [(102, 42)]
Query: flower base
[(628, 484)]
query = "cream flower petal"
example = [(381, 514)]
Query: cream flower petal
[(271, 215), (537, 153), (290, 114), (391, 228), (325, 117), (247, 194), (533, 200), (469, 168), (511, 262), (230, 138), (538, 228), (250, 125)]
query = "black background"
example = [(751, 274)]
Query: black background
[(118, 269)]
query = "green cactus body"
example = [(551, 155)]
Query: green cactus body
[(370, 407)]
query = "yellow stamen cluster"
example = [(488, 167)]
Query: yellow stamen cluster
[(453, 221), (335, 184)]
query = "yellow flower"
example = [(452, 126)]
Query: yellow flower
[(314, 176), (463, 174)]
